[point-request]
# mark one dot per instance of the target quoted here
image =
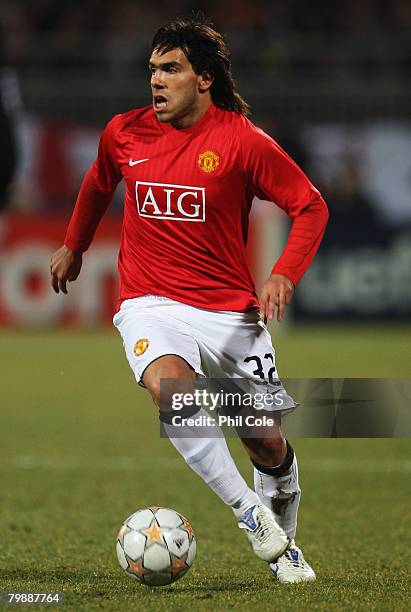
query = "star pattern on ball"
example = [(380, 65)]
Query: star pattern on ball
[(178, 564), (186, 525), (124, 529), (154, 533), (135, 567)]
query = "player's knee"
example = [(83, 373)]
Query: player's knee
[(271, 451), (167, 379), (153, 387)]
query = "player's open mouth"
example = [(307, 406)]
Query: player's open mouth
[(159, 102)]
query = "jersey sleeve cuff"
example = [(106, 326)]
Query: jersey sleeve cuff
[(293, 277), (75, 246)]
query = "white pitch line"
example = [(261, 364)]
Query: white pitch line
[(356, 465), (30, 462), (128, 463)]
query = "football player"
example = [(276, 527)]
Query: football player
[(192, 163)]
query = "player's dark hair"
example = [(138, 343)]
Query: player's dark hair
[(206, 51)]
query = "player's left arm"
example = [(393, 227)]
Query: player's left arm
[(276, 177)]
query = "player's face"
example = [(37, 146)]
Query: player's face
[(177, 90)]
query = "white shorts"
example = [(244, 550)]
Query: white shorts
[(216, 344)]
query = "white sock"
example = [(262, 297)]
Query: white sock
[(282, 495), (210, 458)]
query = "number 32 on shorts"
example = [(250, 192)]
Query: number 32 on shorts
[(259, 371)]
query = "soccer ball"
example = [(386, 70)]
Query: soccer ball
[(156, 546)]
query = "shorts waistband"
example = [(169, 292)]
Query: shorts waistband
[(160, 298)]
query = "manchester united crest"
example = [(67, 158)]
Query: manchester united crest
[(208, 161), (141, 346)]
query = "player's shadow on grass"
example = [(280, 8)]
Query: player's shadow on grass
[(209, 586), (92, 585), (100, 584)]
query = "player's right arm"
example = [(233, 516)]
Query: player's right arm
[(95, 195), (65, 267)]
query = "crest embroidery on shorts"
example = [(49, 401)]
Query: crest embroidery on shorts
[(141, 346)]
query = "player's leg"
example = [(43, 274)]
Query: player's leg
[(241, 348), (276, 482), (276, 475), (238, 345), (203, 448)]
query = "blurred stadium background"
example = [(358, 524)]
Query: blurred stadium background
[(328, 80)]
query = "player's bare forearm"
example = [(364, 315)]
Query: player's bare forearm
[(65, 267), (277, 293)]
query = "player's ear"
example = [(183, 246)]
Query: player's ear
[(205, 82)]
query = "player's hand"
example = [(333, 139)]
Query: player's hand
[(277, 292), (65, 266)]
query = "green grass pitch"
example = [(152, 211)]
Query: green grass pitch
[(80, 451)]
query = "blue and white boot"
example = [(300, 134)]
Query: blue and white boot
[(267, 538), (292, 567)]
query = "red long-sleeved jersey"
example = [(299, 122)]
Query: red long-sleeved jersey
[(188, 198)]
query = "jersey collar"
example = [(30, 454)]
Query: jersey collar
[(180, 135)]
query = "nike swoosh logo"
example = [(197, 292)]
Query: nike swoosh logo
[(137, 161)]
